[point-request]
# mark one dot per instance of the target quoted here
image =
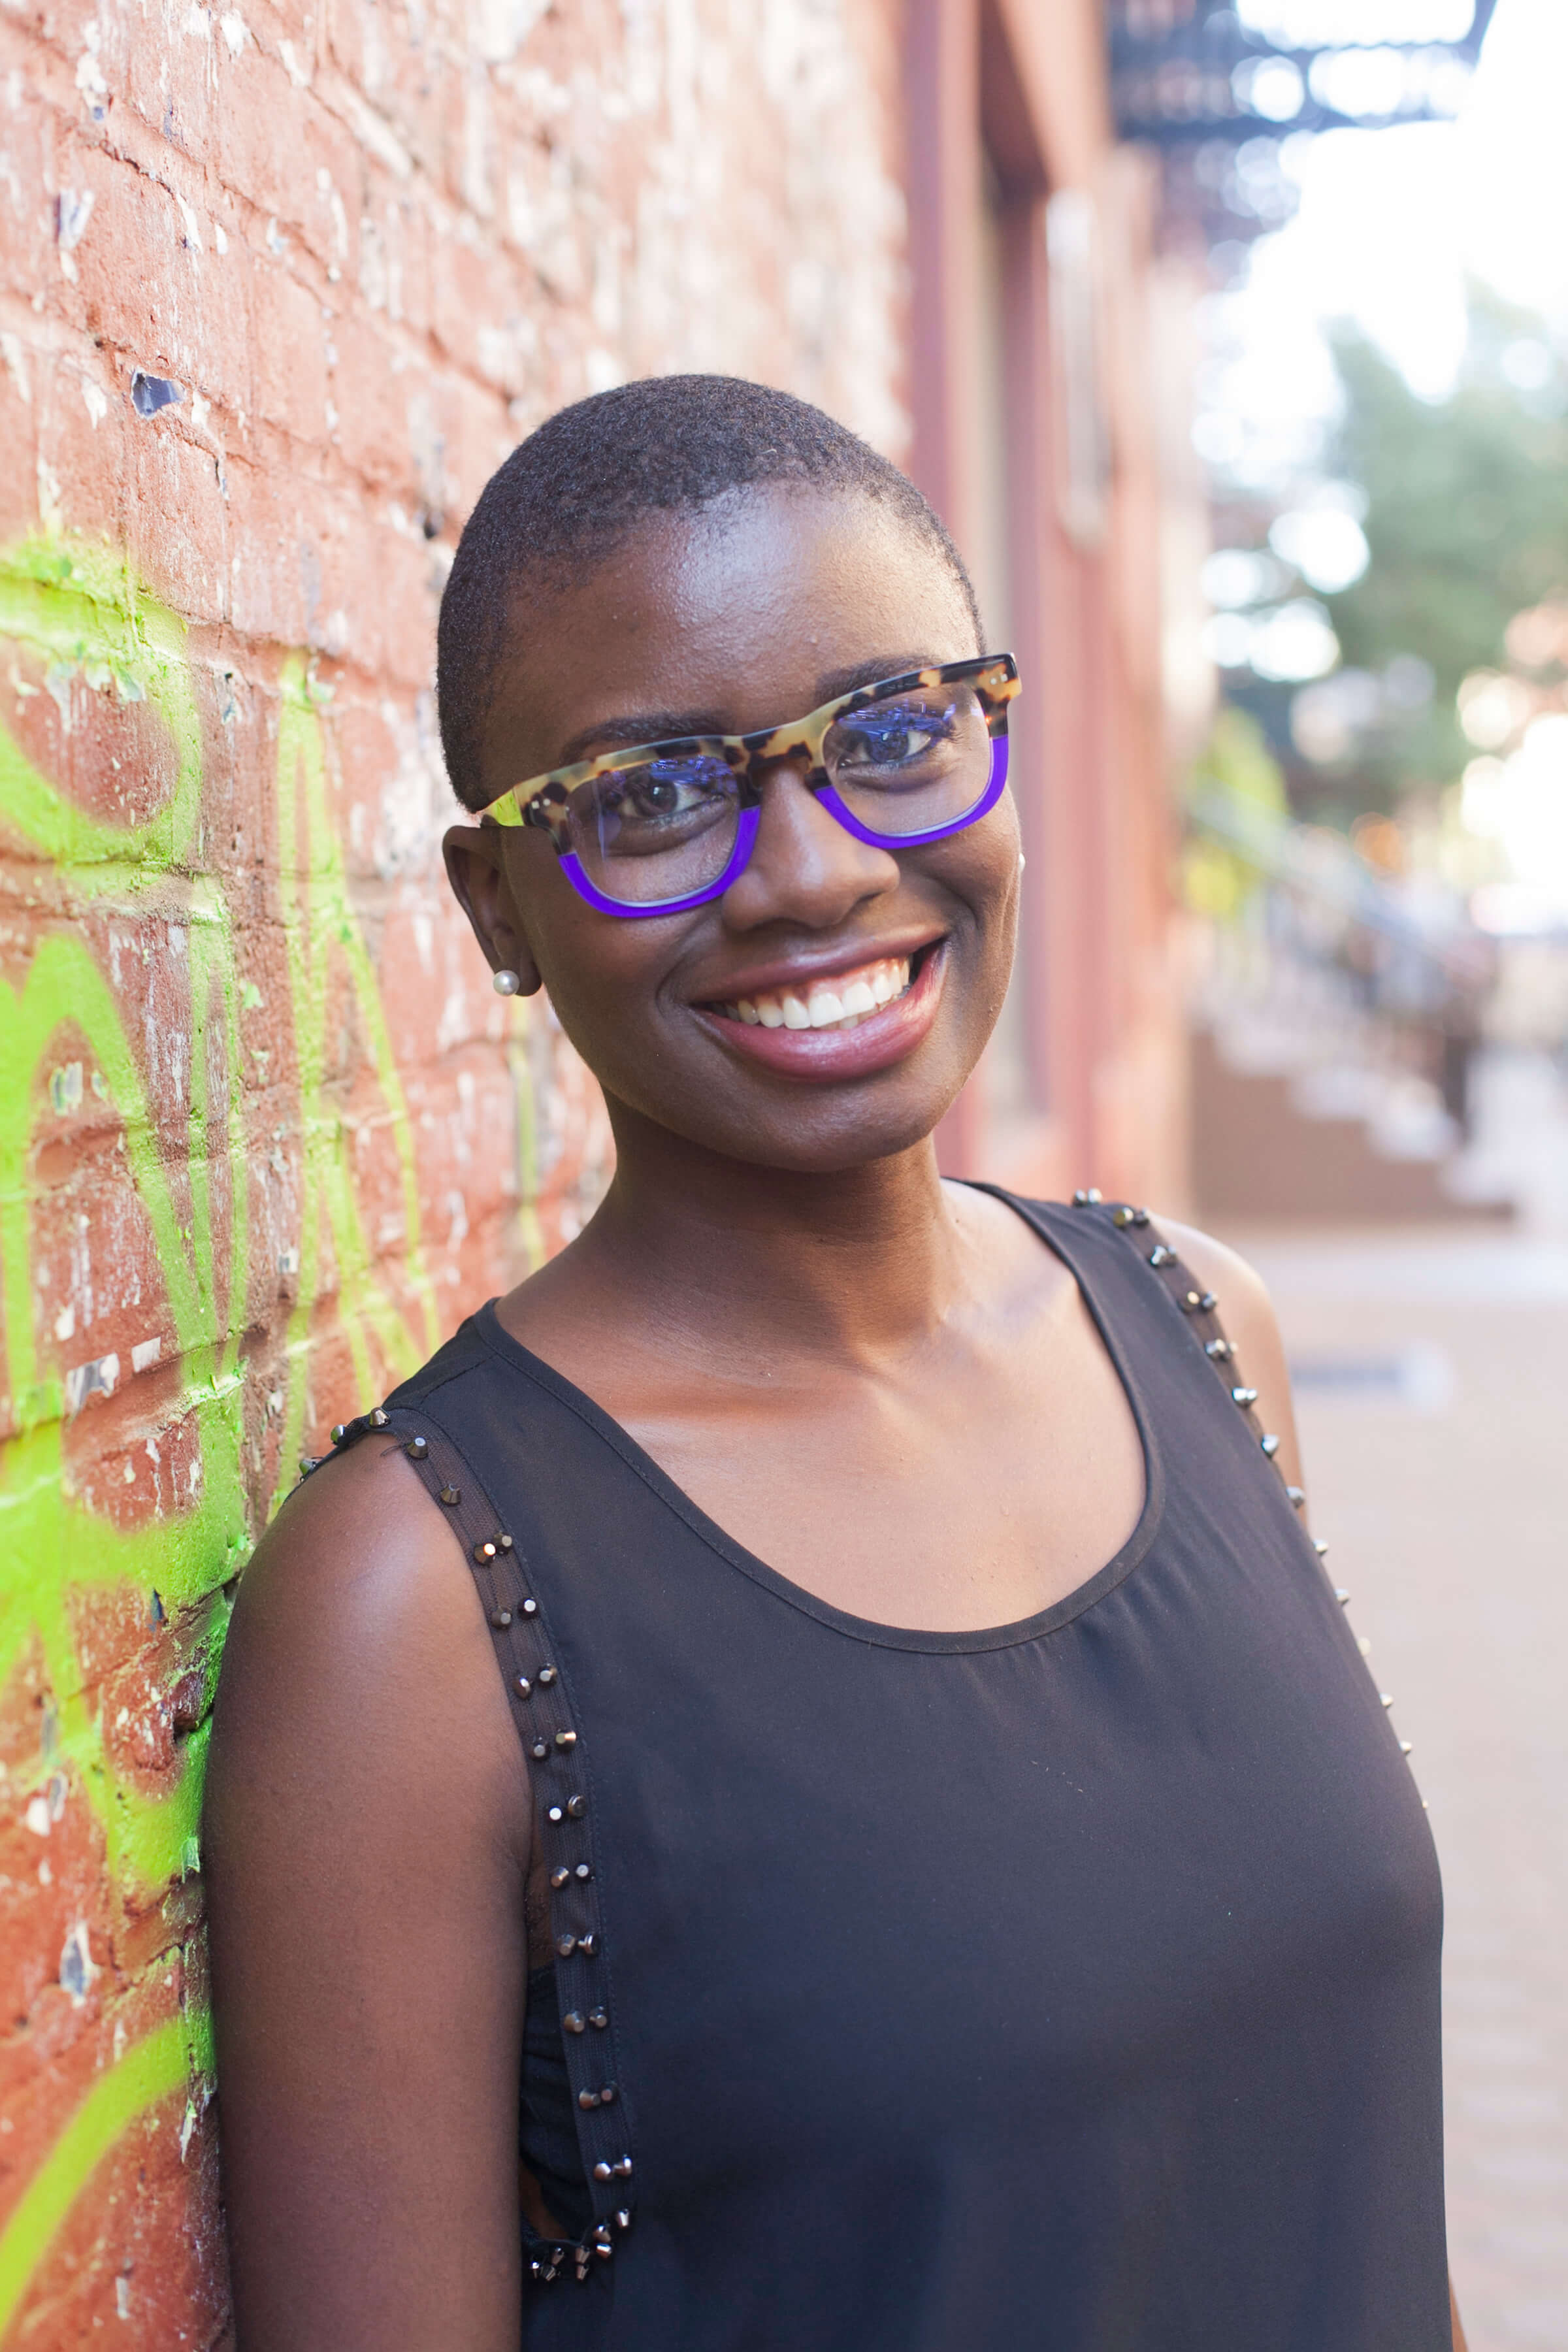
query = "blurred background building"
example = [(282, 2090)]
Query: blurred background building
[(1231, 342)]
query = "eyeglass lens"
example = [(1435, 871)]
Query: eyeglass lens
[(666, 827)]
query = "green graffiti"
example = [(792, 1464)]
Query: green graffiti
[(157, 2066), (79, 616)]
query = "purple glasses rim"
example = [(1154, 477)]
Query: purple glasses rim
[(745, 839)]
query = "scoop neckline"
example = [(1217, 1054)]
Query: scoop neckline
[(872, 1631)]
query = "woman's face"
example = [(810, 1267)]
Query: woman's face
[(750, 613)]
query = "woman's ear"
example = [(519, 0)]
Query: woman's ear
[(477, 873)]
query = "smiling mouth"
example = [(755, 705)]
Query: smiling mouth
[(840, 1002)]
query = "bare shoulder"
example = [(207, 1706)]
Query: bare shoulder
[(1245, 1307), (1252, 1325), (358, 1647)]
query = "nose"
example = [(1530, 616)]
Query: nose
[(804, 867)]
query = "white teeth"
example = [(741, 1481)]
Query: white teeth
[(840, 1007)]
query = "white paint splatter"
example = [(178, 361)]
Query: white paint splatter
[(78, 1967), (17, 365), (100, 1378)]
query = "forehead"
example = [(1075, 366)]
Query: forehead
[(735, 616)]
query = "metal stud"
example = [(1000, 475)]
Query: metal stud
[(524, 1688), (623, 2169), (587, 2098), (378, 1419), (1320, 1547), (583, 1871), (1270, 1445), (555, 1814), (1190, 1302), (340, 1432), (540, 1750), (1342, 1596), (1406, 1746), (623, 2218), (1244, 1397), (451, 1497), (500, 1619), (599, 2019), (607, 2096), (558, 1878), (1297, 1497), (588, 1945), (484, 1551), (565, 1946), (531, 1609), (566, 1739), (308, 1462), (418, 1447), (546, 1676), (1218, 1351), (505, 1542), (1088, 1196), (1209, 1301), (1161, 1255), (574, 2022), (1384, 1699), (575, 1808), (602, 2171)]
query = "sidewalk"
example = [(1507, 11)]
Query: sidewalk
[(1432, 1373)]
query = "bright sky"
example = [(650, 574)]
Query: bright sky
[(1389, 224)]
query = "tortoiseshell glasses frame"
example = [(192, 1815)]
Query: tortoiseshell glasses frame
[(685, 812)]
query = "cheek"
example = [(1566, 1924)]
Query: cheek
[(601, 975)]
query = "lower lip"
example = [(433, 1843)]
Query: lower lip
[(825, 1056)]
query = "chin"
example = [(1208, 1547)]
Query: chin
[(818, 1133)]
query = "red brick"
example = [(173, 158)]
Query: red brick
[(177, 530), (291, 355)]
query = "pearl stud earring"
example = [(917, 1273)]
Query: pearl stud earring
[(505, 982)]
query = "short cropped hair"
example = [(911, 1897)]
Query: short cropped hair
[(570, 493)]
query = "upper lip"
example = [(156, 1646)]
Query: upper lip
[(800, 974)]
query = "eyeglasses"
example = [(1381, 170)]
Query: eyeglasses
[(662, 827)]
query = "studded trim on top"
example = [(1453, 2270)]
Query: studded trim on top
[(538, 1698), (1202, 1307)]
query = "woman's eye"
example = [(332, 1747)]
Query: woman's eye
[(893, 739), (667, 788)]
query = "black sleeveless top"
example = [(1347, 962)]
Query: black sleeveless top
[(1070, 1985)]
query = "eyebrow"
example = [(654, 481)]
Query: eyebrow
[(635, 727)]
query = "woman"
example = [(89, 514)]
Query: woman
[(930, 1870)]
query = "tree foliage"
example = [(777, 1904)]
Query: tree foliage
[(1467, 519)]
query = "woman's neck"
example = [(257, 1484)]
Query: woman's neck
[(725, 1260)]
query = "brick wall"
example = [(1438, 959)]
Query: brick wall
[(277, 290)]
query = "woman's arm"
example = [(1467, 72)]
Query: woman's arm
[(1248, 1313), (366, 1845)]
